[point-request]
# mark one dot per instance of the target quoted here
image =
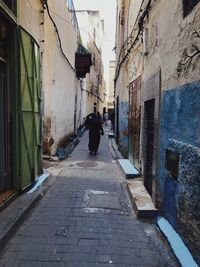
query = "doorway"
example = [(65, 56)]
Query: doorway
[(117, 120), (4, 129), (7, 102), (149, 129), (134, 123)]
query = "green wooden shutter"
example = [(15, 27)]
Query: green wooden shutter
[(30, 116)]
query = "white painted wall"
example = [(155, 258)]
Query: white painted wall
[(111, 85), (90, 28), (59, 81)]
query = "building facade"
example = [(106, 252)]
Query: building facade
[(157, 92), (20, 120), (93, 86), (61, 86), (41, 96), (110, 91)]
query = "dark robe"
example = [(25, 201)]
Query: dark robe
[(95, 130)]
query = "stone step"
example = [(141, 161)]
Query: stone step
[(141, 200), (115, 148), (128, 168)]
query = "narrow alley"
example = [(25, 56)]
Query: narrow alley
[(85, 219), (69, 67)]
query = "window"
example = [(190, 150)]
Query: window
[(188, 5), (172, 163)]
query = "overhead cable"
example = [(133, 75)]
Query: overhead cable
[(58, 35), (140, 22)]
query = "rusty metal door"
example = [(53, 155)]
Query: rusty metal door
[(134, 122), (149, 118)]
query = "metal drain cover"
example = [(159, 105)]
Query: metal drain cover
[(86, 164)]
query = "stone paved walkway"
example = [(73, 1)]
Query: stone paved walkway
[(85, 219)]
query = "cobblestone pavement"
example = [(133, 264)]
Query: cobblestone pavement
[(85, 219)]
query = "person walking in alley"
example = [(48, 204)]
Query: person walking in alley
[(112, 119), (105, 118), (93, 124), (99, 116)]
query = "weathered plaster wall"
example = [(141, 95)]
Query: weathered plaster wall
[(59, 80), (33, 10), (90, 28), (131, 68), (119, 28), (133, 7), (166, 46), (134, 64), (179, 118), (110, 91), (78, 107), (180, 132), (167, 39)]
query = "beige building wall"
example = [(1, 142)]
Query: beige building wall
[(163, 47), (110, 98), (34, 11), (93, 84), (61, 87), (166, 47), (129, 66), (173, 39)]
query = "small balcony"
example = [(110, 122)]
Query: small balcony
[(83, 61)]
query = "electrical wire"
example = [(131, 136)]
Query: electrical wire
[(60, 44), (98, 97), (139, 22), (58, 35), (69, 22), (89, 92)]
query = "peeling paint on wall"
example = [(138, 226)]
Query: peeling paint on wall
[(123, 127), (180, 133)]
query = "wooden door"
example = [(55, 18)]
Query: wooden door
[(134, 122)]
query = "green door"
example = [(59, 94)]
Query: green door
[(30, 115)]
